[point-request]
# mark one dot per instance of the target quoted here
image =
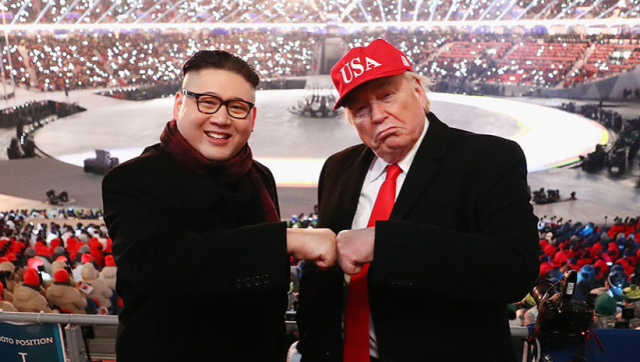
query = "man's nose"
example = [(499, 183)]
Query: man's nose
[(377, 112), (221, 117)]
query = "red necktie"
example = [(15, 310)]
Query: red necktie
[(356, 317)]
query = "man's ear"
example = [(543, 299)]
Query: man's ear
[(177, 103), (421, 94), (253, 118)]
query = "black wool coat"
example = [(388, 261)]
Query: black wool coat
[(460, 244), (201, 275)]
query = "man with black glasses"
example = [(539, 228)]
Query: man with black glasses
[(202, 255)]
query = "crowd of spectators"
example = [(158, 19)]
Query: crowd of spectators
[(12, 60), (52, 262), (461, 10), (91, 59), (606, 261), (124, 59), (608, 56), (60, 261), (280, 11)]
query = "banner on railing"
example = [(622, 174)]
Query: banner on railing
[(31, 343)]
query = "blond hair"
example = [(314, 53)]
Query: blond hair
[(425, 82)]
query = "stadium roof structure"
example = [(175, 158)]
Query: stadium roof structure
[(183, 14)]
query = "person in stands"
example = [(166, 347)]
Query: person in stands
[(5, 305), (29, 296), (65, 296)]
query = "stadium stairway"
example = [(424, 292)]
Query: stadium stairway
[(588, 53), (436, 55), (578, 64), (511, 49), (24, 53), (109, 69)]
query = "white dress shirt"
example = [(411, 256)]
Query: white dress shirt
[(374, 179), (372, 183)]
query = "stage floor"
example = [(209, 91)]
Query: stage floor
[(295, 148)]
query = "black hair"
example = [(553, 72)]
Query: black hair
[(220, 59)]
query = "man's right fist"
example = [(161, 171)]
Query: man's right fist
[(318, 245)]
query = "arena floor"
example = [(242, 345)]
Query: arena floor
[(295, 148)]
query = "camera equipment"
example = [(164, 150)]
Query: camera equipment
[(628, 313), (617, 162), (318, 103), (539, 197), (51, 195), (594, 161), (54, 199), (561, 321), (551, 195), (101, 164), (624, 324)]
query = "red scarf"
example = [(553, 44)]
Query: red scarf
[(225, 171)]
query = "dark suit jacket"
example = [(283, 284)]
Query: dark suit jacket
[(460, 244), (202, 278)]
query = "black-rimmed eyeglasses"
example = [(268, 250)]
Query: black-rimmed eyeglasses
[(210, 104)]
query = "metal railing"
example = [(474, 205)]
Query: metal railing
[(41, 318), (77, 350)]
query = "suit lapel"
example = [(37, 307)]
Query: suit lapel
[(425, 165), (350, 186)]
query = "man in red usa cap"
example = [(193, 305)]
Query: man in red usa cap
[(430, 221)]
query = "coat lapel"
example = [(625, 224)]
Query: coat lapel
[(425, 165), (349, 191)]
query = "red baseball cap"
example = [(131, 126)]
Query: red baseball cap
[(361, 64)]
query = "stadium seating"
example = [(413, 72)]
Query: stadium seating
[(80, 60)]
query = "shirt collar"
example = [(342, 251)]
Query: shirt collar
[(379, 166)]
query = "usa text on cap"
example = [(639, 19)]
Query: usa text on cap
[(362, 64)]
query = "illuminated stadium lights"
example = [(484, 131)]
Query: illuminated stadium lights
[(277, 12), (279, 49)]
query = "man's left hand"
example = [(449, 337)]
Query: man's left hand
[(355, 248)]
